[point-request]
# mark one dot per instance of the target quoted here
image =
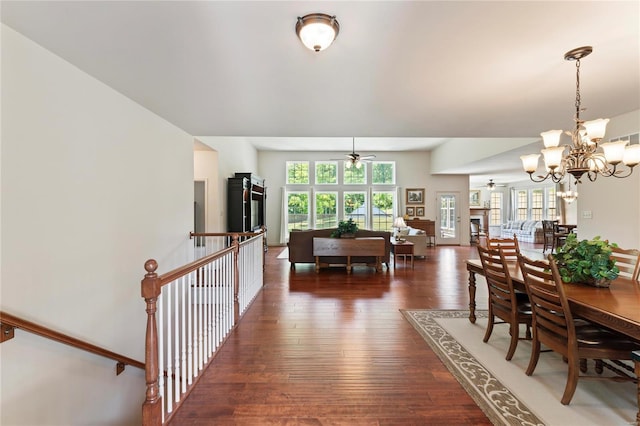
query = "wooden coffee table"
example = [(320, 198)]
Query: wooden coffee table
[(402, 248)]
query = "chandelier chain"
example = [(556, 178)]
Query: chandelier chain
[(578, 92)]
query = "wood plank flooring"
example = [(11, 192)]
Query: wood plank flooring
[(333, 349)]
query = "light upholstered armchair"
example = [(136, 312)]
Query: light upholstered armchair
[(419, 239)]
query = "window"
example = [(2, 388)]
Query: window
[(326, 173), (383, 173), (522, 205), (382, 219), (552, 212), (355, 175), (317, 195), (537, 200), (355, 207), (297, 210), (535, 204), (297, 172), (495, 215), (326, 210)]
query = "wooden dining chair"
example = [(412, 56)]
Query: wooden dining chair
[(504, 303), (509, 246), (555, 327), (549, 233), (627, 261), (560, 234)]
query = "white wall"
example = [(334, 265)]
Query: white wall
[(92, 186), (412, 171), (459, 152), (614, 204), (235, 154), (205, 164)]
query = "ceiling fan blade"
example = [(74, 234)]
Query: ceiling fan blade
[(368, 157)]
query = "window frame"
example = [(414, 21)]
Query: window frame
[(344, 173), (287, 167), (390, 216), (309, 207), (315, 209), (393, 172), (316, 174), (345, 215)]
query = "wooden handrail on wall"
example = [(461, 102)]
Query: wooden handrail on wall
[(8, 322)]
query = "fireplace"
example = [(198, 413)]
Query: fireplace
[(476, 229)]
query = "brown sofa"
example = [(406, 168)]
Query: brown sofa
[(301, 247)]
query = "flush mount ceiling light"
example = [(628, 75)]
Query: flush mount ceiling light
[(317, 30), (582, 156)]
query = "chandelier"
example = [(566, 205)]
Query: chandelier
[(317, 30), (583, 156), (569, 196)]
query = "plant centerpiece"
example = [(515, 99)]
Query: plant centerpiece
[(346, 229), (586, 261)]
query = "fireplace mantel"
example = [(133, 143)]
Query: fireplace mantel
[(483, 214)]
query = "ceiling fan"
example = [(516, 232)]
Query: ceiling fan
[(355, 159), (491, 185)]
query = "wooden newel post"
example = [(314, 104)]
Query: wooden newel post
[(236, 278), (152, 406)]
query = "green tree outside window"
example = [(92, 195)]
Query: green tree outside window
[(297, 172), (298, 210), (383, 173), (352, 201), (326, 173), (355, 175), (383, 211), (326, 210)]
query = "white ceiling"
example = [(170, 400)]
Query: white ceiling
[(401, 75)]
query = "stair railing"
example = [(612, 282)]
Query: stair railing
[(8, 324), (190, 312)]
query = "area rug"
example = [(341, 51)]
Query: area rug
[(501, 388)]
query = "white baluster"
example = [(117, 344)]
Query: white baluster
[(183, 330), (168, 348), (193, 286), (176, 344)]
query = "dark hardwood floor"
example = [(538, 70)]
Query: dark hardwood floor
[(333, 349)]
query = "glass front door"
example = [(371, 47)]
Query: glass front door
[(448, 221)]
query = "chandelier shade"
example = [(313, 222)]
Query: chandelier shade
[(586, 155), (317, 30)]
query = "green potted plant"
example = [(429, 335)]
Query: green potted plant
[(586, 261), (346, 228)]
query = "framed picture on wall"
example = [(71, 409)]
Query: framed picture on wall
[(474, 198), (415, 196), (410, 211), (420, 211)]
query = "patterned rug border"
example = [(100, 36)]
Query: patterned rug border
[(500, 405)]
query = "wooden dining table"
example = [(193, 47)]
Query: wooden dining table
[(616, 307)]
